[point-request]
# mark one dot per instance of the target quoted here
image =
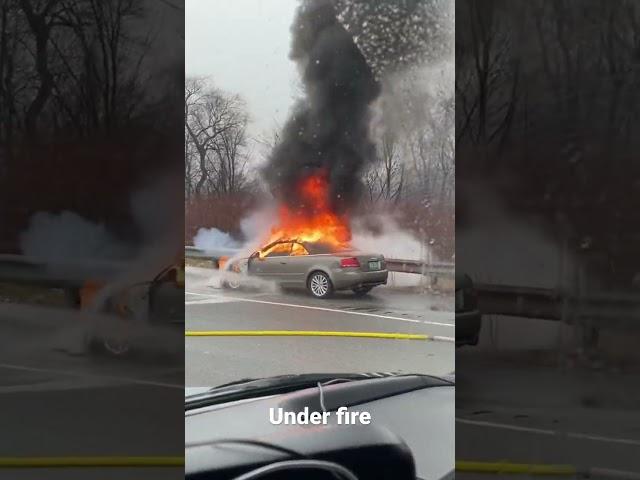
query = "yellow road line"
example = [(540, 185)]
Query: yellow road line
[(515, 468), (304, 333), (90, 462)]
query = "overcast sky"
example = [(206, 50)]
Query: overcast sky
[(243, 45)]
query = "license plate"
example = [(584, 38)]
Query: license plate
[(374, 265)]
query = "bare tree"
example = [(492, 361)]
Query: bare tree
[(483, 64), (40, 22), (11, 37), (102, 62), (231, 160), (215, 125), (385, 179), (71, 65)]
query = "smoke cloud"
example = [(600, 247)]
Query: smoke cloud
[(329, 129), (389, 239), (67, 235), (344, 49), (208, 238), (156, 211), (394, 35)]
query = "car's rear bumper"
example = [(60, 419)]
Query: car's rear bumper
[(468, 327), (345, 278)]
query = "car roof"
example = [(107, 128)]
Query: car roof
[(317, 247)]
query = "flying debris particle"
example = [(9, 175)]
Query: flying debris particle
[(343, 47), (393, 34)]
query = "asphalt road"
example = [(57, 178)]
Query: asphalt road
[(54, 404), (211, 361), (512, 408)]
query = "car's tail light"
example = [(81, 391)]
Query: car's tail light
[(349, 263)]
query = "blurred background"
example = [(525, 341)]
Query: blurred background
[(546, 231), (90, 203)]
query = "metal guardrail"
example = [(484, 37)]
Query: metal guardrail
[(599, 309), (27, 270), (419, 267), (393, 264), (23, 270)]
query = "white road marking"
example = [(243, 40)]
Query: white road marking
[(541, 431), (210, 300), (90, 376), (215, 299)]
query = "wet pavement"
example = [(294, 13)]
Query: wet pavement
[(61, 405), (216, 360)]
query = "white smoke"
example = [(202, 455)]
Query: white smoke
[(388, 239), (211, 238), (528, 256), (77, 248), (391, 240), (55, 237), (258, 224), (157, 214), (414, 99)]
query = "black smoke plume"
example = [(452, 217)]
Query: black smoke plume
[(342, 48), (329, 129)]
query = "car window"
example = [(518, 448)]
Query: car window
[(278, 250), (318, 248), (297, 249)]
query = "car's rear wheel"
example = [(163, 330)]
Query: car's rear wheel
[(361, 291), (319, 285)]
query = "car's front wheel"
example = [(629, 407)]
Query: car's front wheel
[(117, 347), (112, 346), (319, 285), (232, 278), (232, 284)]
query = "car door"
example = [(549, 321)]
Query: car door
[(297, 265), (271, 264)]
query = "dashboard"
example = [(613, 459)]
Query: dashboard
[(411, 433)]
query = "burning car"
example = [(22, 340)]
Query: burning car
[(318, 267), (159, 301), (309, 248)]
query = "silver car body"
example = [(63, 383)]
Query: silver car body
[(294, 270)]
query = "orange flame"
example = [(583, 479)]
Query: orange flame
[(314, 220)]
